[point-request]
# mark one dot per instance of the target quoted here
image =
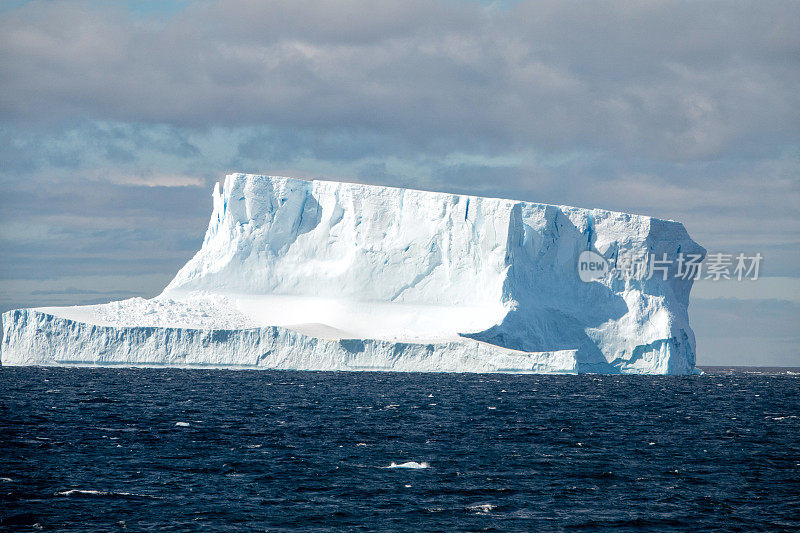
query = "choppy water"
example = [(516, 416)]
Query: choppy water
[(88, 449)]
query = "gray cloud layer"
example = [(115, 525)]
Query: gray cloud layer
[(679, 80)]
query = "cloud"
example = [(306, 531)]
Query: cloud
[(153, 179), (52, 229), (683, 81)]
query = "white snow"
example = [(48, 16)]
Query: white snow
[(326, 275)]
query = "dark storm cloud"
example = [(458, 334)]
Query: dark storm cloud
[(681, 80)]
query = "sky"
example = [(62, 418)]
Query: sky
[(116, 119)]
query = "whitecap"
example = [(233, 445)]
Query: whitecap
[(409, 464), (481, 507), (103, 493), (72, 492), (182, 424)]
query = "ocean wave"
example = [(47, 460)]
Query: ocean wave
[(104, 494), (481, 507), (409, 464)]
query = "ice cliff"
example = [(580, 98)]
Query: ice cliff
[(321, 275)]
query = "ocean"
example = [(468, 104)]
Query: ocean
[(115, 449)]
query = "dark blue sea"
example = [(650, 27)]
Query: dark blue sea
[(103, 449)]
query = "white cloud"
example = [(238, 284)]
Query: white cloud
[(152, 179)]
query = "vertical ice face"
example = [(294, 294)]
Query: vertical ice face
[(339, 240), (630, 324), (404, 279)]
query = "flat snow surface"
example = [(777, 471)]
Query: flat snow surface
[(315, 317)]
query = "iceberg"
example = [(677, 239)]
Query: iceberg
[(322, 275)]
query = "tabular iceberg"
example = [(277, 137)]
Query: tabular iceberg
[(322, 275)]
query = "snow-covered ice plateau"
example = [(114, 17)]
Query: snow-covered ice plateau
[(322, 275)]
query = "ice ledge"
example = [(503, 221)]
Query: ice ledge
[(32, 337)]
